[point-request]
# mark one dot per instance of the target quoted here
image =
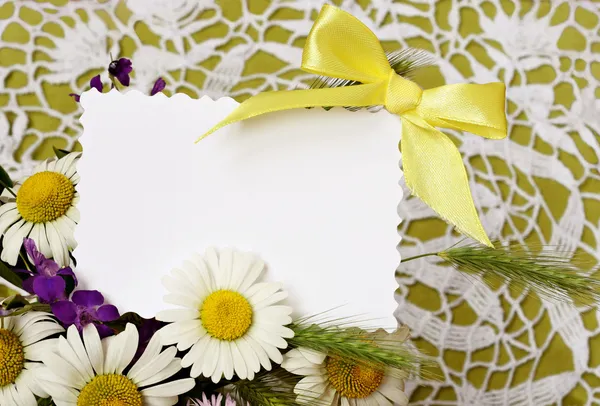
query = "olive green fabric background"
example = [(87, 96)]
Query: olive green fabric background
[(545, 50)]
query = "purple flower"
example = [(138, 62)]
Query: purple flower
[(121, 69), (95, 83), (86, 308), (159, 86), (213, 401), (46, 281)]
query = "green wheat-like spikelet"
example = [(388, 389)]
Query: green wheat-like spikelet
[(359, 346), (268, 388), (404, 62), (546, 272)]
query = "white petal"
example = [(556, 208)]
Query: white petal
[(150, 353), (277, 314), (262, 291), (6, 207), (28, 378), (159, 401), (226, 359), (64, 370), (239, 364), (77, 346), (179, 299), (155, 366), (57, 390), (241, 265), (58, 245), (390, 388), (13, 240), (165, 373), (9, 217), (250, 357), (225, 268), (218, 372), (311, 386), (252, 275), (35, 351), (173, 315), (174, 388), (211, 259), (203, 271), (271, 350), (210, 360), (42, 239), (267, 336), (380, 399), (69, 355), (178, 283), (195, 355), (93, 346), (171, 333), (260, 352), (111, 347), (51, 164), (186, 340), (194, 276), (73, 214), (129, 347), (39, 331), (277, 297), (313, 356), (24, 395), (275, 330), (296, 363), (25, 321), (62, 225), (4, 397), (69, 163)]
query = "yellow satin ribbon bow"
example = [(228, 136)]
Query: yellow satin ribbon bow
[(340, 46)]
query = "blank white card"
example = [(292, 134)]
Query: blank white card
[(314, 193)]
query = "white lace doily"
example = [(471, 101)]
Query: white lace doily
[(542, 185)]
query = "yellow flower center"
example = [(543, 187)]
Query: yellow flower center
[(352, 380), (12, 357), (226, 315), (45, 196), (110, 390)]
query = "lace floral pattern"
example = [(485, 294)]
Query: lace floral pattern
[(496, 345)]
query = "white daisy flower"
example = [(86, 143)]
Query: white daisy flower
[(23, 341), (90, 372), (228, 321), (335, 381), (42, 207)]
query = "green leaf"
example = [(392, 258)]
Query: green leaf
[(9, 275), (5, 180), (45, 402), (14, 302), (129, 317), (60, 152)]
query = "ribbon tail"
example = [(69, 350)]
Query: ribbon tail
[(268, 102), (435, 173)]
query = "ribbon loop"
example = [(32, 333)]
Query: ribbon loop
[(402, 95), (340, 46)]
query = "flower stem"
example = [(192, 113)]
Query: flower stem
[(25, 261), (114, 82), (431, 254)]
